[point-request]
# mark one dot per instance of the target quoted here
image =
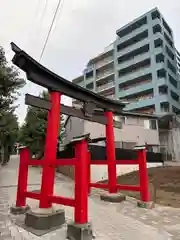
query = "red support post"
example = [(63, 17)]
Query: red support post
[(48, 173), (129, 188), (89, 173), (143, 175), (81, 182), (110, 152), (22, 178)]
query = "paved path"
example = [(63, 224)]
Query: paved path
[(110, 221)]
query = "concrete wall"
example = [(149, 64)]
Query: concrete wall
[(170, 142), (132, 131), (75, 127), (100, 172)]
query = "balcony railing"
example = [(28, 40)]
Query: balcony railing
[(88, 80), (105, 73), (134, 60), (139, 98), (132, 34), (135, 85), (105, 86), (104, 62)]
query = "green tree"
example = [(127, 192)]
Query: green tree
[(10, 84), (8, 135), (33, 131)]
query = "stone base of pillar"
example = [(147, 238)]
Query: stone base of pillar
[(147, 205), (113, 197), (19, 210), (79, 231), (44, 219)]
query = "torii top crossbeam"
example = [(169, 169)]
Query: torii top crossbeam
[(42, 76)]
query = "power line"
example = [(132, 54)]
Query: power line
[(59, 14), (50, 29)]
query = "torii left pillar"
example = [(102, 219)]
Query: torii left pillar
[(45, 216), (48, 173)]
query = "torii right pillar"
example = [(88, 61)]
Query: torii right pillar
[(145, 201), (112, 195)]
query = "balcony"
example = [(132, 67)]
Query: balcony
[(132, 34), (104, 62), (169, 36), (172, 73), (105, 74), (133, 47), (175, 104), (140, 104), (171, 48), (138, 44), (105, 86), (88, 80), (135, 74), (141, 87), (134, 60), (173, 88)]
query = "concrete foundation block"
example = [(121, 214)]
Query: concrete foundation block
[(19, 210), (113, 197), (43, 219), (79, 231), (147, 205)]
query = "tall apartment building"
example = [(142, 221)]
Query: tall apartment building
[(141, 67), (99, 75), (178, 63)]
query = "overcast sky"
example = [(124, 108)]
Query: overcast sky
[(83, 29)]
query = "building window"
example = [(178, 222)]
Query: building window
[(157, 28), (150, 124), (155, 15), (161, 73), (164, 107), (158, 43), (90, 86), (163, 90), (169, 52), (160, 58), (172, 81), (174, 96), (89, 74), (171, 67), (153, 124), (175, 110), (168, 39), (167, 27)]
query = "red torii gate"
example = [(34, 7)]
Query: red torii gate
[(81, 161)]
